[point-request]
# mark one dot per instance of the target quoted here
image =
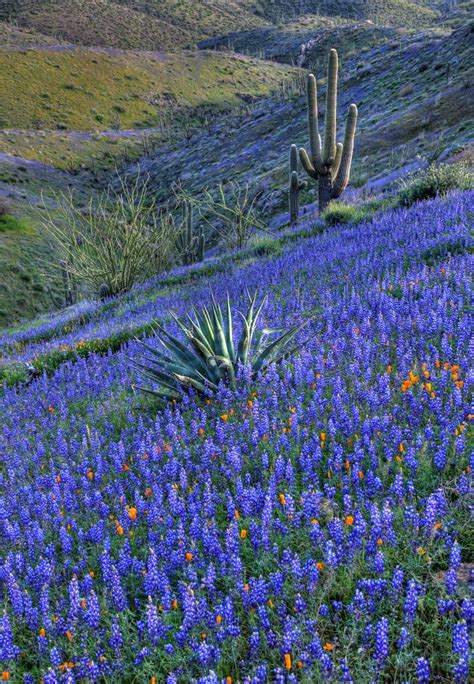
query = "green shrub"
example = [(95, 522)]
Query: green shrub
[(436, 180), (342, 213), (13, 224)]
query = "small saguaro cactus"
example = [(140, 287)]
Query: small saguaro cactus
[(295, 186), (191, 246), (328, 162)]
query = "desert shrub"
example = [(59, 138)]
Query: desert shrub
[(231, 213), (436, 180), (118, 239), (341, 213)]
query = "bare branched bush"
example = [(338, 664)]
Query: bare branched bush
[(121, 237), (231, 214)]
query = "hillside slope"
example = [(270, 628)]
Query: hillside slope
[(170, 24), (140, 24), (415, 98), (208, 539)]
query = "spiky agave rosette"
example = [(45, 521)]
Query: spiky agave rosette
[(211, 355)]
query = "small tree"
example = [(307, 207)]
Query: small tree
[(118, 239)]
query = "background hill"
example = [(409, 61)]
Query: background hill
[(170, 24)]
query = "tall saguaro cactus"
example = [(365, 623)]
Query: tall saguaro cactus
[(295, 186), (328, 161)]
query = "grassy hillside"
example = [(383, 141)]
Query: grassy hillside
[(391, 12), (169, 24), (85, 90), (144, 24)]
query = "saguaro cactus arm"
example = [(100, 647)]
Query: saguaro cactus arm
[(329, 151), (342, 178), (295, 186)]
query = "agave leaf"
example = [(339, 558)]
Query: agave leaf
[(274, 348), (255, 320), (220, 341), (243, 348), (158, 393), (191, 382), (229, 332), (228, 369)]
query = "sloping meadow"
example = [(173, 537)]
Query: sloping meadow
[(312, 525)]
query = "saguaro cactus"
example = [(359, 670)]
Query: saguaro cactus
[(328, 162), (190, 246), (295, 186)]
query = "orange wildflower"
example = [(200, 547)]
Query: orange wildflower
[(219, 619), (282, 500), (228, 680), (148, 491), (349, 520), (119, 530), (175, 603), (42, 632), (132, 513), (224, 417), (69, 635), (5, 676), (246, 587), (189, 556), (320, 566), (328, 646), (288, 661), (243, 534)]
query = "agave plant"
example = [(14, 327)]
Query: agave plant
[(209, 354)]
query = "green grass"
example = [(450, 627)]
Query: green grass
[(13, 224), (23, 254), (88, 90)]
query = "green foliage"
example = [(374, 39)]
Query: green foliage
[(210, 354), (437, 180), (443, 251), (14, 224), (342, 213)]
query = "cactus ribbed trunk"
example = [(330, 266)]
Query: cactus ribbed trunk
[(324, 191), (328, 163)]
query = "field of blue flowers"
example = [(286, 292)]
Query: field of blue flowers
[(310, 526)]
